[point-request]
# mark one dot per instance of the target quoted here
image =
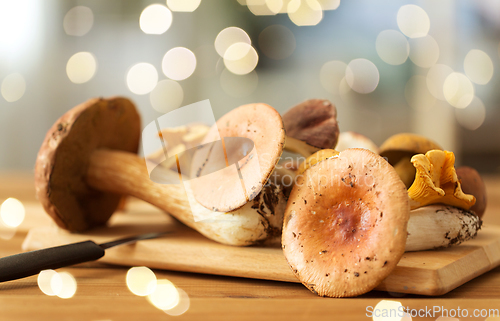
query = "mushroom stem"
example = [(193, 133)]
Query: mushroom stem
[(295, 145), (126, 173), (438, 226)]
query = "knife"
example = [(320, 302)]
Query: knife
[(21, 265)]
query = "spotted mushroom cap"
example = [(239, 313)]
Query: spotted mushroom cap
[(345, 224), (63, 160)]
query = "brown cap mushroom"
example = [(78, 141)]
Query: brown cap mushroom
[(345, 224), (472, 183), (310, 126), (230, 188), (63, 159)]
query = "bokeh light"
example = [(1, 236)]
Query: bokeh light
[(305, 12), (387, 305), (392, 47), (238, 86), (178, 63), (424, 51), (78, 21), (155, 19), (167, 96), (458, 90), (229, 36), (142, 78), (478, 67), (275, 5), (329, 4), (165, 296), (182, 306), (413, 21), (12, 212), (241, 58), (472, 116), (277, 42), (261, 8), (436, 76), (183, 5), (67, 285), (362, 75), (417, 94), (44, 281), (141, 280), (345, 92), (331, 75), (81, 67), (13, 87)]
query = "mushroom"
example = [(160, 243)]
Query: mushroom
[(436, 181), (87, 161), (315, 158), (399, 148), (311, 126), (345, 224), (355, 140), (471, 183)]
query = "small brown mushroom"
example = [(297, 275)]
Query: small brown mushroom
[(472, 183), (345, 224)]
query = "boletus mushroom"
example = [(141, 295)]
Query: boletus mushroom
[(87, 161), (472, 183), (345, 224)]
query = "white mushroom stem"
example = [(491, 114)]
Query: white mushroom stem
[(437, 226), (258, 221)]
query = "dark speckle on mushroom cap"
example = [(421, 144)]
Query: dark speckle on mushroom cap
[(313, 121), (355, 232), (63, 159)]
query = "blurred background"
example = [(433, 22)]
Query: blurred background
[(401, 66)]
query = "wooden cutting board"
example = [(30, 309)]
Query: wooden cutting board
[(428, 272)]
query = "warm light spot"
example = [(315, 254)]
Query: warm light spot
[(436, 76), (12, 212), (165, 296), (345, 92), (331, 74), (178, 63), (44, 281), (67, 285), (424, 51), (472, 116), (413, 21), (275, 5), (238, 85), (13, 87), (183, 5), (141, 281), (329, 4), (7, 232), (142, 78), (78, 21), (155, 19), (458, 90), (392, 47), (417, 95), (167, 96), (305, 12), (182, 306), (362, 76), (81, 67), (387, 310), (277, 42), (478, 67), (229, 36), (260, 8), (241, 58)]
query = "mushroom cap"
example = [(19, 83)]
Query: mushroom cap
[(225, 190), (315, 158), (472, 183), (63, 159), (314, 122), (345, 224), (406, 144), (351, 139)]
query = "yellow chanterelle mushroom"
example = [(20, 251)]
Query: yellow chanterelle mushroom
[(436, 181)]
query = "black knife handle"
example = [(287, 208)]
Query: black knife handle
[(30, 263)]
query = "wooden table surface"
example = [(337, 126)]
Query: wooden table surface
[(102, 293)]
